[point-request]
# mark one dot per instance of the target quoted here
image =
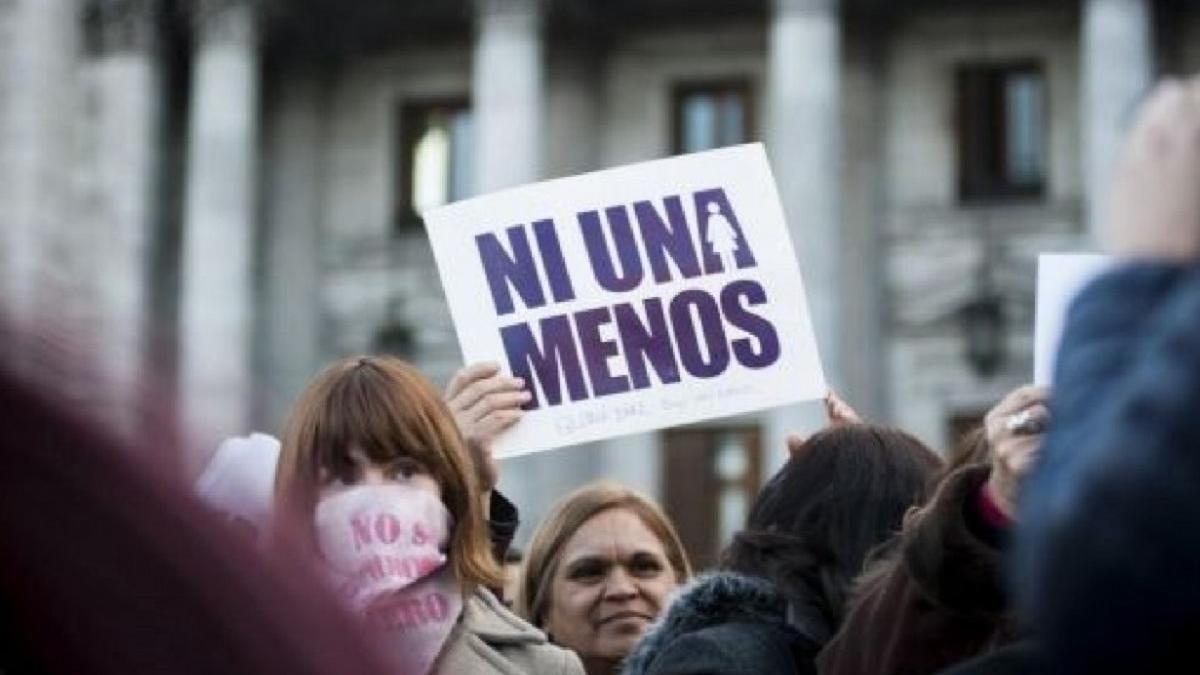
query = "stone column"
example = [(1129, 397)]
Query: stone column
[(288, 344), (862, 307), (803, 137), (128, 92), (219, 221), (39, 56), (1118, 68), (507, 96), (506, 101)]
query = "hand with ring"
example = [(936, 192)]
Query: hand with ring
[(1025, 422), (1014, 433)]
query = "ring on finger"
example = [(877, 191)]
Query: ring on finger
[(1017, 420), (1024, 422)]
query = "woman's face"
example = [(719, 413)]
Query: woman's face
[(612, 579), (400, 471)]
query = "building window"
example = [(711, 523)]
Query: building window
[(712, 477), (708, 116), (1002, 131), (435, 151)]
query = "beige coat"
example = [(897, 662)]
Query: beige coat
[(490, 639)]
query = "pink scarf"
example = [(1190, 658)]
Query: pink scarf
[(384, 549)]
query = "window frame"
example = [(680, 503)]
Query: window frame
[(977, 182), (681, 90), (694, 504), (404, 215)]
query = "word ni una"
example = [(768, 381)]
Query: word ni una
[(686, 332)]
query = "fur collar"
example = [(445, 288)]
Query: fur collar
[(708, 600)]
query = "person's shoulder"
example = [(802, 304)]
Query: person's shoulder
[(761, 640), (495, 634), (486, 616)]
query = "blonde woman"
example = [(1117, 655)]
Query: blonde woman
[(598, 573)]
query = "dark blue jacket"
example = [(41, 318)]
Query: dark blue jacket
[(1107, 560)]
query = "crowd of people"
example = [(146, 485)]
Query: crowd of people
[(1061, 536)]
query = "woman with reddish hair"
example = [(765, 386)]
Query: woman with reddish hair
[(374, 474)]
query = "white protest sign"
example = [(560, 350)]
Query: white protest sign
[(1060, 278), (632, 299)]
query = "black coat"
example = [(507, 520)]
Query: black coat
[(727, 624)]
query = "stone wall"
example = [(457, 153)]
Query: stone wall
[(936, 247)]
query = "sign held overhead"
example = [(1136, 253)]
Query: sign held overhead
[(634, 298)]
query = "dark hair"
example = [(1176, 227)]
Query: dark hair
[(971, 448), (841, 495)]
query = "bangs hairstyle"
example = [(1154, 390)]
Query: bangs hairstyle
[(388, 410), (565, 519)]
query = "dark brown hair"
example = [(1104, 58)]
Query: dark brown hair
[(814, 523), (385, 408), (971, 448)]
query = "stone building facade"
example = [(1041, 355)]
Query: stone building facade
[(223, 191)]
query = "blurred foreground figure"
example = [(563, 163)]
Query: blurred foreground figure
[(1108, 551), (107, 566)]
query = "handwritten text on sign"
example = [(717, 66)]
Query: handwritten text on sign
[(633, 296)]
